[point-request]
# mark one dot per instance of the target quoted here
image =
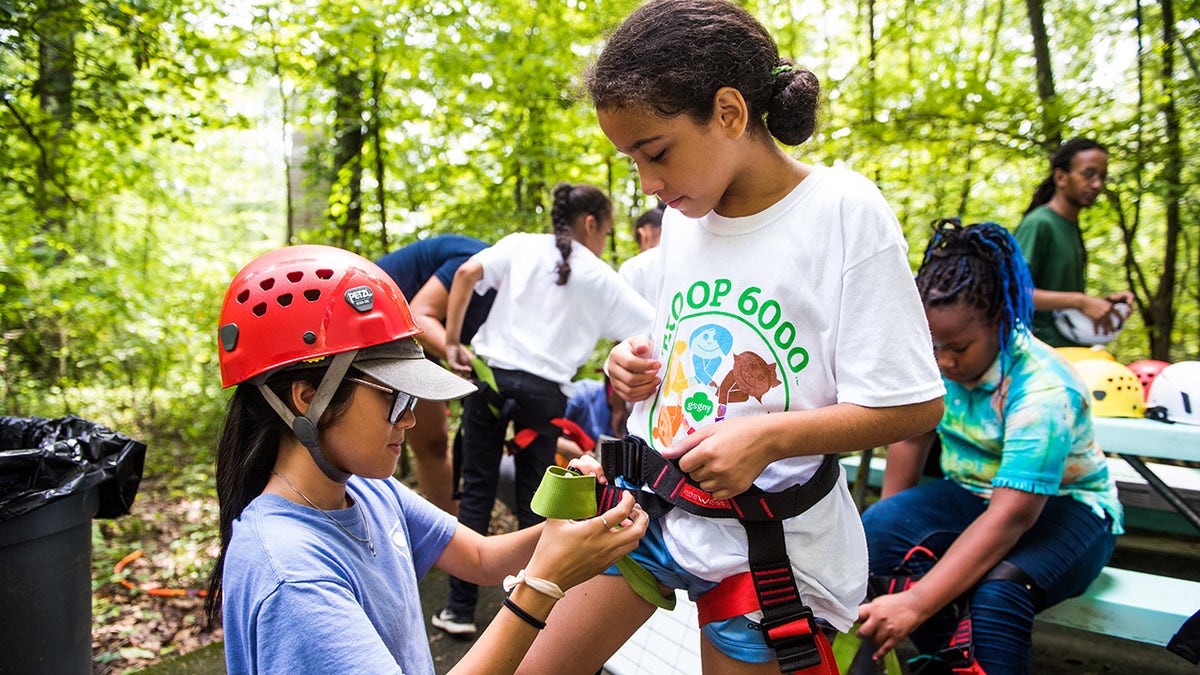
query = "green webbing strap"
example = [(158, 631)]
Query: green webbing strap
[(485, 375), (570, 496)]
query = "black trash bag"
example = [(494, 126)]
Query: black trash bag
[(42, 460)]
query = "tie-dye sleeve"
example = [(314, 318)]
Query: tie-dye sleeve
[(1039, 425)]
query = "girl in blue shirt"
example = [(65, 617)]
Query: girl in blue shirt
[(321, 549), (1027, 515)]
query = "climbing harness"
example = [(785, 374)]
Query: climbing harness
[(959, 652), (788, 625)]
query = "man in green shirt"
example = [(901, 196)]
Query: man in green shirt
[(1053, 246)]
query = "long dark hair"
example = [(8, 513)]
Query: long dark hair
[(1061, 159), (671, 57), (980, 265), (570, 202), (247, 451)]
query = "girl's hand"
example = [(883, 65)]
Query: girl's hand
[(587, 465), (634, 375), (888, 619), (570, 552), (459, 358), (724, 458)]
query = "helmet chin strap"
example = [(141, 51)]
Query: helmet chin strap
[(305, 427)]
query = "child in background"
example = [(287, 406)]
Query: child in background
[(1028, 514), (555, 298), (642, 270), (788, 328)]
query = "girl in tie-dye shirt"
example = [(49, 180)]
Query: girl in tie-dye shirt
[(1027, 514)]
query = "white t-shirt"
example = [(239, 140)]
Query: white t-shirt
[(808, 303), (644, 273), (544, 329)]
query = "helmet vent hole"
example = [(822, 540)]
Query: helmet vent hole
[(260, 309), (295, 277), (243, 297), (324, 274), (267, 284), (284, 300), (312, 295)]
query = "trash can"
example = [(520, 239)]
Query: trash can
[(55, 476)]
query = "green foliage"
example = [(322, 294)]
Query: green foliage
[(148, 157), (129, 210)]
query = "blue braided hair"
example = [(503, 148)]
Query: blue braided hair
[(981, 265)]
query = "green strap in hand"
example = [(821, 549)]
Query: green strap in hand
[(567, 495)]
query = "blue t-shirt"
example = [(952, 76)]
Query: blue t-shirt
[(300, 595), (1028, 429), (413, 265)]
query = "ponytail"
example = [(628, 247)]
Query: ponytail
[(246, 454), (571, 202)]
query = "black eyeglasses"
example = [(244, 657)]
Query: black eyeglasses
[(402, 402)]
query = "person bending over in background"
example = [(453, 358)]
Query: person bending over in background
[(424, 271), (555, 298)]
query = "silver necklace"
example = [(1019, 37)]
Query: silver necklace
[(366, 520)]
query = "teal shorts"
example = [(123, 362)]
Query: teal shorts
[(739, 637)]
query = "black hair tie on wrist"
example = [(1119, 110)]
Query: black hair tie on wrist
[(523, 615)]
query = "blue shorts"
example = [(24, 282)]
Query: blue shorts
[(738, 637)]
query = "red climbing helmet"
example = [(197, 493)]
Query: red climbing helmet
[(1146, 370), (303, 303)]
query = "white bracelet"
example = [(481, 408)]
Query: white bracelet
[(543, 586)]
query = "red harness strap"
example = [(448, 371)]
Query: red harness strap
[(559, 426), (735, 596)]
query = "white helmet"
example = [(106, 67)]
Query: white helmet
[(1176, 393), (1078, 328)]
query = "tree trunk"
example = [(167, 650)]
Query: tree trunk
[(1162, 305), (345, 198), (376, 130), (1051, 121), (55, 89)]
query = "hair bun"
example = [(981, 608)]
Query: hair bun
[(792, 115)]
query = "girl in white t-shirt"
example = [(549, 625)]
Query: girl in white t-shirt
[(788, 328), (555, 298)]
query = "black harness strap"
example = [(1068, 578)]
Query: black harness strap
[(634, 460), (1186, 642), (788, 626)]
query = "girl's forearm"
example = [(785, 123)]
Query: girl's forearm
[(846, 427), (984, 543)]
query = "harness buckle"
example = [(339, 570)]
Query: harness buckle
[(793, 636), (625, 456)]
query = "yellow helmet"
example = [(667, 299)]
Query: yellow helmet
[(1116, 390), (1076, 354)]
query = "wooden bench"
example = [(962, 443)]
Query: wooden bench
[(1133, 605)]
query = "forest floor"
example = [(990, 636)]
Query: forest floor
[(133, 628)]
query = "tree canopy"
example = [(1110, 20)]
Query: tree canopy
[(152, 147)]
